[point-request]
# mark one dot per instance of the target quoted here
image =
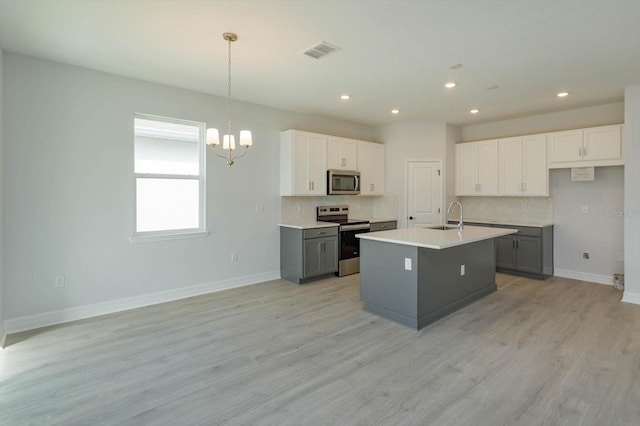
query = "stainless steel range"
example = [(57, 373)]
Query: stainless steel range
[(349, 253)]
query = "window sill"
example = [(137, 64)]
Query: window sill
[(167, 237)]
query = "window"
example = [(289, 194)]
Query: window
[(169, 176)]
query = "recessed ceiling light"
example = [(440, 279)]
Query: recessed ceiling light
[(455, 66), (345, 97), (450, 85), (492, 87), (562, 94), (474, 111), (395, 111)]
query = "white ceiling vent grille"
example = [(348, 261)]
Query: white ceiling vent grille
[(320, 50)]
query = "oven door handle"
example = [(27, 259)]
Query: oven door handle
[(362, 227)]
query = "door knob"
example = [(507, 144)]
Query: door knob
[(410, 217)]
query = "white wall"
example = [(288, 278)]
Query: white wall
[(454, 134), (600, 231), (632, 195), (408, 141), (567, 196), (69, 194), (599, 115)]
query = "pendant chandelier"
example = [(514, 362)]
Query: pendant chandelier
[(228, 140)]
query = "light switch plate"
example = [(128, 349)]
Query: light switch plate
[(407, 263)]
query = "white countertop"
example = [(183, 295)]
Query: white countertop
[(378, 219), (506, 222), (435, 239), (308, 225)]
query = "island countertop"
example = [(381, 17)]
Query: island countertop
[(436, 239)]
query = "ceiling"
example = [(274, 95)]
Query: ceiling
[(393, 54)]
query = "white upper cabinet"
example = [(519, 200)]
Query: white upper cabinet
[(342, 154), (602, 143), (371, 168), (595, 146), (523, 166), (477, 168), (303, 163)]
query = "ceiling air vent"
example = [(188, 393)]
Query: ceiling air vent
[(321, 49)]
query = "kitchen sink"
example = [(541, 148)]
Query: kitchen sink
[(442, 227)]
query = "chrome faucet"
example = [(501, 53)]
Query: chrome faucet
[(460, 222)]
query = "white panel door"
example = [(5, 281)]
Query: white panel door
[(424, 193), (510, 159), (535, 173)]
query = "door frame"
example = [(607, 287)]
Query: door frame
[(405, 218)]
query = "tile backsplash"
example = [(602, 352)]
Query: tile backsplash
[(528, 209), (302, 209), (524, 209)]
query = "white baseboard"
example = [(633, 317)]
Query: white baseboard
[(30, 322), (583, 276), (629, 297), (3, 335)]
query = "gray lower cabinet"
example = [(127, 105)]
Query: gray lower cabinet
[(528, 253), (383, 226), (306, 254)]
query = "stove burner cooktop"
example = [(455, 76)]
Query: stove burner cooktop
[(337, 214)]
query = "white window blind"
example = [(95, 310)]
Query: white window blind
[(169, 176)]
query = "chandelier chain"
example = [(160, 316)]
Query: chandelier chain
[(229, 94)]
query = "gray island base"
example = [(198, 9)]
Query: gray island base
[(417, 286)]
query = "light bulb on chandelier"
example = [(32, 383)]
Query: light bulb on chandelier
[(228, 140)]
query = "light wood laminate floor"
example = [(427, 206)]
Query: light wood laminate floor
[(554, 352)]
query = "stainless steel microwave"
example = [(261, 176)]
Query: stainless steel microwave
[(341, 182)]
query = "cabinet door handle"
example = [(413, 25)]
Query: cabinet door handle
[(584, 151), (323, 246)]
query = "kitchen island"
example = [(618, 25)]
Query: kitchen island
[(416, 276)]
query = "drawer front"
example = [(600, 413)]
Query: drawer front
[(383, 226), (526, 231), (320, 232)]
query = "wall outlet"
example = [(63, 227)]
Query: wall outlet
[(58, 281), (584, 209), (586, 255), (234, 256), (407, 263), (462, 268)]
